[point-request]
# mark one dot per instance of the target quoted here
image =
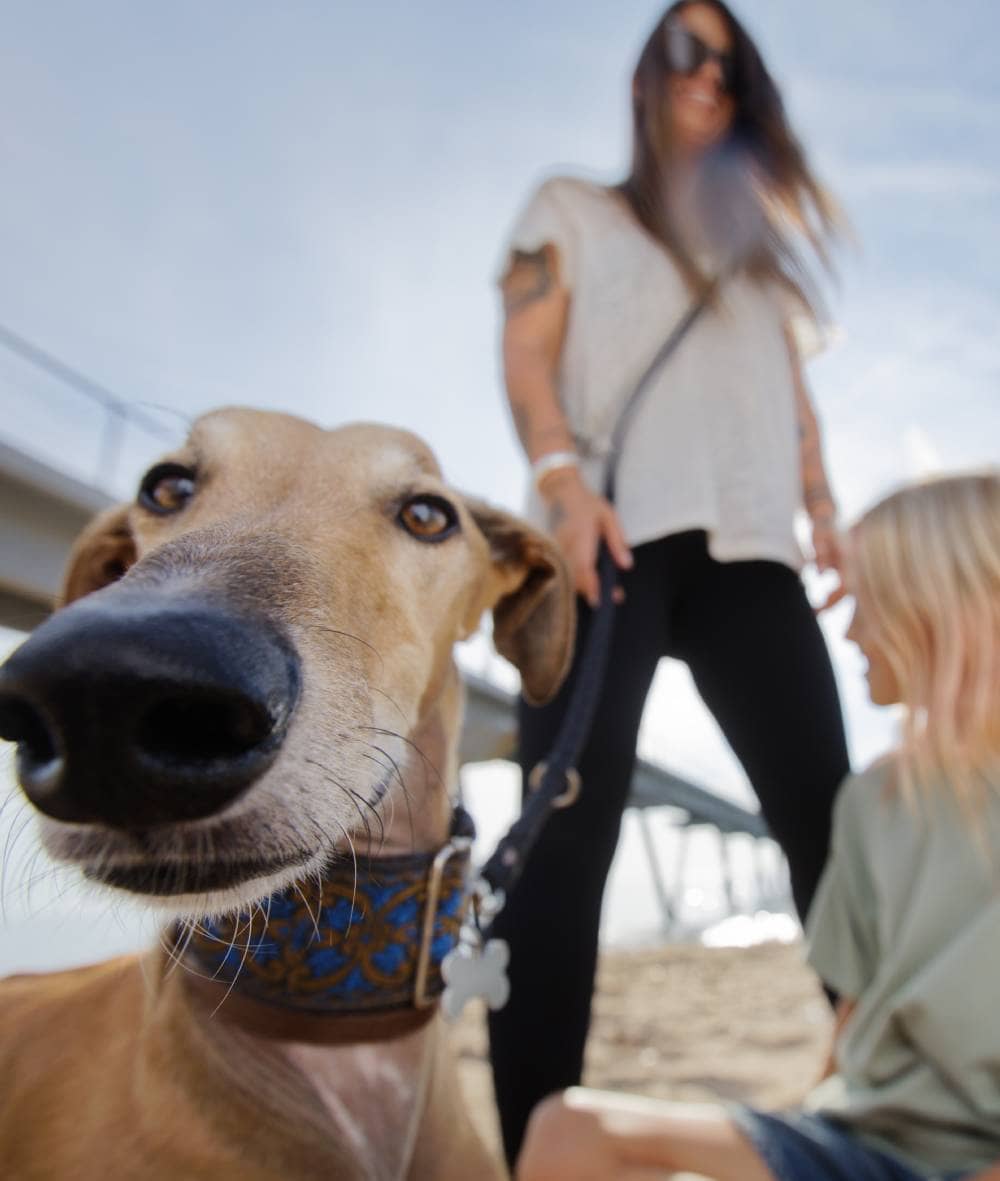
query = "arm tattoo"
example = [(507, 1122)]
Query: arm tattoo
[(530, 278)]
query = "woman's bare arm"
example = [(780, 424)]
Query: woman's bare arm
[(816, 495), (535, 312), (536, 306)]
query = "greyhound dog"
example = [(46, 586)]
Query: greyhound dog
[(246, 715)]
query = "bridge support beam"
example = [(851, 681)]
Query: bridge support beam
[(41, 513)]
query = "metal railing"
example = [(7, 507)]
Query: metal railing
[(117, 411)]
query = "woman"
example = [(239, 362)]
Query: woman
[(721, 452), (913, 1087)]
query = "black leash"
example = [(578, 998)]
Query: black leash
[(555, 782)]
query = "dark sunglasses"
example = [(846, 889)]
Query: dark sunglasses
[(686, 53)]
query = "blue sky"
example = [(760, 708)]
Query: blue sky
[(302, 206)]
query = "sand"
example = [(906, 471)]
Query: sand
[(688, 1023)]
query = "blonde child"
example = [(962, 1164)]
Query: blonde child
[(906, 922)]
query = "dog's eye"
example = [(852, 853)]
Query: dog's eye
[(166, 488), (428, 517)]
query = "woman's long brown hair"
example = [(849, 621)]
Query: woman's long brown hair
[(756, 191)]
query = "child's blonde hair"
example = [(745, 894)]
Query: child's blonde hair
[(926, 570)]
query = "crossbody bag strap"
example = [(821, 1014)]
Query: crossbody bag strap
[(659, 359)]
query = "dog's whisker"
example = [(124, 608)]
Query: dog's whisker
[(378, 819), (395, 765), (336, 631), (175, 948), (391, 796), (321, 838), (360, 804), (354, 887), (314, 917), (236, 974), (395, 705), (428, 763), (17, 826), (169, 940), (37, 871), (14, 835), (365, 822), (13, 800), (405, 792), (407, 743), (317, 875), (28, 879), (244, 921), (188, 966), (356, 799), (386, 767), (34, 878), (255, 910), (5, 865), (266, 907), (231, 947)]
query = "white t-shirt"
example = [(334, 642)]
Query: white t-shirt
[(714, 442)]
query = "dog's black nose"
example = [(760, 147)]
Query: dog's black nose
[(132, 712)]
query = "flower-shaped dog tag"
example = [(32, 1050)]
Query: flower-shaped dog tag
[(470, 971)]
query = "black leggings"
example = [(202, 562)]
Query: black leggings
[(759, 661)]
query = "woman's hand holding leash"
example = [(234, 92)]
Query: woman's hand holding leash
[(580, 519)]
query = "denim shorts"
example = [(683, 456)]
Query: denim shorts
[(800, 1147)]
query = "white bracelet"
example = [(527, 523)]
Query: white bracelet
[(552, 462)]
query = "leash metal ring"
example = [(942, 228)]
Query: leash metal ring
[(457, 846), (573, 784)]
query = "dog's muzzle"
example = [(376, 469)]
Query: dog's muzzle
[(133, 710)]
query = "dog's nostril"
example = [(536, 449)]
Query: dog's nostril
[(20, 722), (186, 730)]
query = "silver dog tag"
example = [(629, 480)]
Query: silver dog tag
[(471, 970)]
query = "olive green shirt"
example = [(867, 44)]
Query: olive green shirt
[(907, 923)]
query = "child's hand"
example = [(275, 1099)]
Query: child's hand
[(842, 1014)]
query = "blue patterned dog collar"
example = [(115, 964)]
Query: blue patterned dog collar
[(366, 942)]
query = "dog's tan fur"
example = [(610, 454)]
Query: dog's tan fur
[(118, 1070)]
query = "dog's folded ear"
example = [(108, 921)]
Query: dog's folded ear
[(534, 623), (100, 555)]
